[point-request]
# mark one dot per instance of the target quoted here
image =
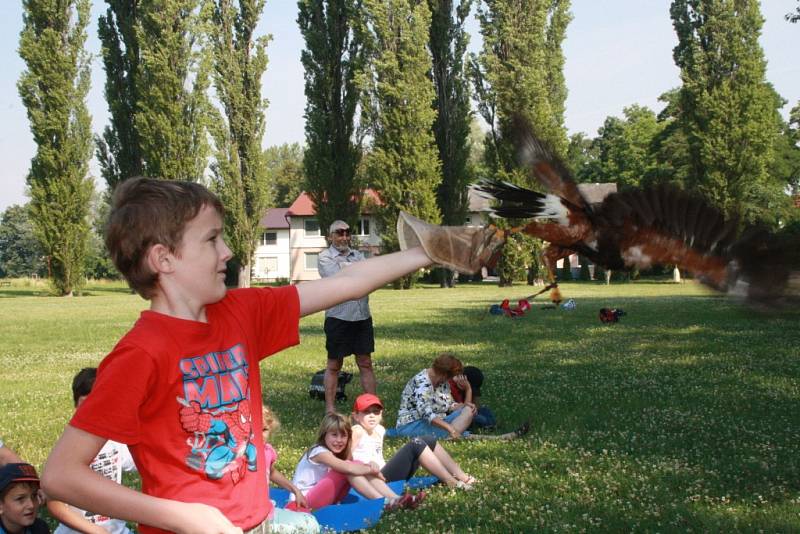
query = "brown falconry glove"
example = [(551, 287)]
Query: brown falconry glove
[(461, 248)]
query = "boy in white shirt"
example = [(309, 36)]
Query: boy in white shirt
[(111, 461)]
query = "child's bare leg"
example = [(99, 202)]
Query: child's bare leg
[(448, 463), (364, 487), (430, 461), (462, 422), (381, 487)]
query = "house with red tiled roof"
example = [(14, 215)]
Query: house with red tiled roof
[(292, 239)]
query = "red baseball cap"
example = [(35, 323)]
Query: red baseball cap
[(365, 400)]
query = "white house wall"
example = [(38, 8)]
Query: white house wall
[(302, 244), (277, 254)]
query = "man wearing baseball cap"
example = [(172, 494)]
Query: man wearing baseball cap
[(19, 500), (348, 326)]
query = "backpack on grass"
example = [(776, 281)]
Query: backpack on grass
[(316, 389)]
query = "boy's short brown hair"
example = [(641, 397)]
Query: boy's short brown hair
[(147, 212), (83, 382)]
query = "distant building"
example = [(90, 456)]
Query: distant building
[(292, 240), (271, 260)]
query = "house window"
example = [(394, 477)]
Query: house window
[(265, 266), (269, 238), (311, 226), (363, 227), (312, 260)]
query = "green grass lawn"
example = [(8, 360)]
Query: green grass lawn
[(685, 416)]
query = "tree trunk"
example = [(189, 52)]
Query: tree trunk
[(447, 278), (244, 275), (608, 276)]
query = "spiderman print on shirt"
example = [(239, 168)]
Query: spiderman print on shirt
[(215, 409)]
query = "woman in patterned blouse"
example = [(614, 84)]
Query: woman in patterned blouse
[(427, 407)]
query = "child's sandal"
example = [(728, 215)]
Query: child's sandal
[(392, 505)]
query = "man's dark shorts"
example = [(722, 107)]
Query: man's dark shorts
[(343, 338)]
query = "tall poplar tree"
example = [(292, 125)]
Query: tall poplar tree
[(156, 82), (727, 109), (172, 107), (240, 60), (520, 70), (403, 164), (332, 58), (118, 149), (53, 88), (451, 129)]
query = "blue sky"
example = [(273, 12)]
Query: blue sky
[(618, 53)]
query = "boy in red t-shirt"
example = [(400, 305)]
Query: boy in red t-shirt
[(182, 387)]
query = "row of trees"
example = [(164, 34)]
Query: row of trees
[(388, 85)]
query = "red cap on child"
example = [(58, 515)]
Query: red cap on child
[(364, 401)]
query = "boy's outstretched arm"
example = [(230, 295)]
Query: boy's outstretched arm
[(461, 248), (359, 279), (68, 477)]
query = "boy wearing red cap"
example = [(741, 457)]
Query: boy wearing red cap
[(19, 500)]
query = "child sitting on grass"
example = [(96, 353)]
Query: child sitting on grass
[(19, 500), (284, 521), (110, 462), (326, 471), (465, 389), (368, 448)]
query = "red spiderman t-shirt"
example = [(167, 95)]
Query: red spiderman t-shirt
[(185, 397)]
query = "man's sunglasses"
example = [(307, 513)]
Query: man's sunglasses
[(342, 231)]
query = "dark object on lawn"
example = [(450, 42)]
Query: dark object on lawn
[(610, 315), (316, 389)]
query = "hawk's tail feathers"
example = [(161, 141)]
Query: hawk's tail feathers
[(515, 202)]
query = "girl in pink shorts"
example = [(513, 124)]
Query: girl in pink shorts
[(326, 471)]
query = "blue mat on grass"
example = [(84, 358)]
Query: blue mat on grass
[(354, 512)]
